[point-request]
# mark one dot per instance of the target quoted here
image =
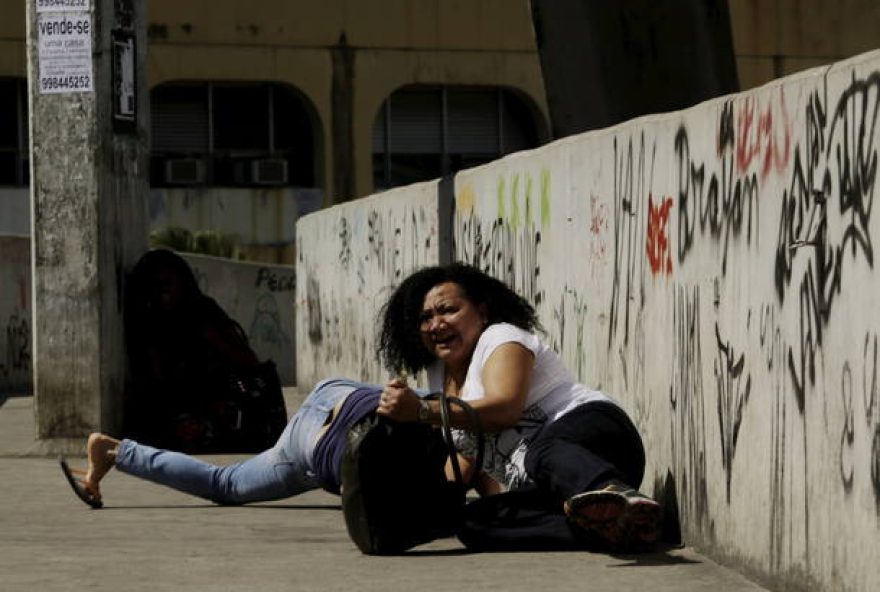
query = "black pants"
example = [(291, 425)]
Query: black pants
[(583, 450)]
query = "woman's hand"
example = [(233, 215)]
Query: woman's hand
[(398, 402)]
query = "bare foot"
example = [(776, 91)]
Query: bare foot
[(101, 450)]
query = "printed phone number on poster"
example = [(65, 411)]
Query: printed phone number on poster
[(65, 82), (62, 4)]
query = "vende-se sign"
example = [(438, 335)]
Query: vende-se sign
[(65, 52)]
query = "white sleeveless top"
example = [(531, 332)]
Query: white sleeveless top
[(552, 394)]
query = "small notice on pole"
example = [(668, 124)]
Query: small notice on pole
[(124, 82), (64, 31), (62, 5)]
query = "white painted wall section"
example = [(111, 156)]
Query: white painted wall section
[(349, 257), (713, 269)]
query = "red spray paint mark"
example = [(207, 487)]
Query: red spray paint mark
[(766, 140), (657, 244), (598, 228)]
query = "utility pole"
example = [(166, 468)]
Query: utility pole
[(89, 184)]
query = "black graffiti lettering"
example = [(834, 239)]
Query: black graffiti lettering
[(631, 181), (724, 207), (344, 243), (726, 128), (734, 387), (394, 243), (875, 466), (869, 380), (275, 282), (506, 252), (314, 314), (839, 159), (689, 421), (376, 239), (847, 433)]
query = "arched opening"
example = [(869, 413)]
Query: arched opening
[(424, 132), (230, 134)]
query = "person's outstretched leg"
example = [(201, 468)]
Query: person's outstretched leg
[(259, 478), (282, 471)]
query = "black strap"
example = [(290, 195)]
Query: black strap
[(446, 427)]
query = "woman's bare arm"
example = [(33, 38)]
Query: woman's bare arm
[(507, 376)]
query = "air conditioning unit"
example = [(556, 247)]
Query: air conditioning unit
[(184, 171), (269, 171)]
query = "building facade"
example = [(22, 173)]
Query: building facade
[(262, 111)]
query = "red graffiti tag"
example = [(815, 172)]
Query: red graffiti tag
[(766, 140), (657, 244), (598, 228)]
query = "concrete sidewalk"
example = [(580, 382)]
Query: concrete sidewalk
[(151, 538)]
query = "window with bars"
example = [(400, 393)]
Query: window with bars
[(228, 134), (422, 133), (14, 152)]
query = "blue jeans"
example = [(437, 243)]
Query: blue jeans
[(282, 471)]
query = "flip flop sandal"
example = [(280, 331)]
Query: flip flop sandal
[(78, 486)]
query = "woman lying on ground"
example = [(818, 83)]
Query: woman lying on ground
[(572, 449), (307, 455)]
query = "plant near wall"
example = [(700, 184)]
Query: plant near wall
[(204, 242)]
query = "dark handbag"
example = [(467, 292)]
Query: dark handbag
[(395, 494), (252, 415)]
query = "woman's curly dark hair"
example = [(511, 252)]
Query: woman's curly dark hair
[(400, 344)]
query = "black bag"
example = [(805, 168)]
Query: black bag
[(395, 494), (254, 414)]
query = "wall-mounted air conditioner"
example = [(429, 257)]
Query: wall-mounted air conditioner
[(184, 171), (269, 171)]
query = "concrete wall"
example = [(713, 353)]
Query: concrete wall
[(714, 269), (259, 297), (257, 219), (347, 257), (16, 349)]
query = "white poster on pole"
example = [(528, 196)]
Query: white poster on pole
[(62, 5), (65, 52)]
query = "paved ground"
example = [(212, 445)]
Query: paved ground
[(152, 539)]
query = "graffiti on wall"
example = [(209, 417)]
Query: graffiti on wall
[(734, 385), (859, 395), (570, 319), (871, 400), (396, 246), (506, 246), (633, 164), (762, 134), (721, 204), (634, 161), (657, 244), (598, 250), (838, 161), (366, 252), (17, 363), (267, 333), (689, 440)]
